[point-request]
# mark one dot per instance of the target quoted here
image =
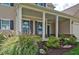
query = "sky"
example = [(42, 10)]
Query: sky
[(59, 4), (64, 4)]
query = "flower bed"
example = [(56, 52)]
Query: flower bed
[(58, 45), (55, 51)]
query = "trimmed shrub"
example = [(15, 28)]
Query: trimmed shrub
[(19, 45), (53, 42)]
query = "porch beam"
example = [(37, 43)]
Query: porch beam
[(57, 19), (43, 33), (18, 20)]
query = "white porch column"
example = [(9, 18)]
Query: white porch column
[(34, 27), (18, 20), (57, 18), (71, 29), (43, 35)]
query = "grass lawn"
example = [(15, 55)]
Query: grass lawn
[(74, 51)]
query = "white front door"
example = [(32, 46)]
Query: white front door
[(76, 29)]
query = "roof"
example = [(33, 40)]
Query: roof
[(74, 10)]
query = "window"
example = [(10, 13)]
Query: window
[(27, 26), (7, 4), (39, 28), (6, 25), (42, 4)]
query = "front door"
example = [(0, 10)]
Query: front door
[(48, 30)]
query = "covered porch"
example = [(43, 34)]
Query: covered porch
[(31, 21)]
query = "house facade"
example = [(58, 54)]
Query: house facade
[(34, 18), (74, 11)]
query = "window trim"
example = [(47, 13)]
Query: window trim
[(5, 20)]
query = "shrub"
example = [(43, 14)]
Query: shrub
[(36, 38), (20, 45), (68, 40), (61, 38), (62, 35), (2, 38), (72, 40), (53, 42)]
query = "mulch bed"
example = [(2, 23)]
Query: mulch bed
[(55, 51), (59, 51)]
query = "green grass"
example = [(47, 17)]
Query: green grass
[(74, 51)]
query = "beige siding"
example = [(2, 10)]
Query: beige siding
[(32, 13), (7, 12), (64, 27)]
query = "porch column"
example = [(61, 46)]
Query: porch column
[(71, 29), (43, 33), (18, 20), (34, 27), (57, 18)]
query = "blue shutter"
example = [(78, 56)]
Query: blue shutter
[(44, 4), (31, 26), (0, 24), (11, 24), (35, 27), (11, 4)]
